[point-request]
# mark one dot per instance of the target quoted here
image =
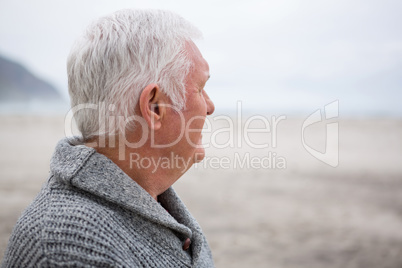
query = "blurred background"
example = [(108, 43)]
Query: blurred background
[(267, 58)]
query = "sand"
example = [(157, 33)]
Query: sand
[(306, 214)]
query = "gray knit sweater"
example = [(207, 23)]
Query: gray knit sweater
[(91, 214)]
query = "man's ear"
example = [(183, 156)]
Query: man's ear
[(151, 106)]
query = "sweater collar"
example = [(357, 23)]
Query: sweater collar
[(84, 168)]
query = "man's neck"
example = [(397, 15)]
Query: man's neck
[(145, 169)]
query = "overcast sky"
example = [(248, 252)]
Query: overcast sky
[(282, 56)]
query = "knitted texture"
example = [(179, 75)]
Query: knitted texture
[(91, 214)]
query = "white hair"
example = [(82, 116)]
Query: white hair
[(118, 56)]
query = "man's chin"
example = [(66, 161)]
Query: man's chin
[(199, 156)]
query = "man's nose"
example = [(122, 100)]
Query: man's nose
[(210, 104)]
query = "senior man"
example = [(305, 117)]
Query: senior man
[(136, 83)]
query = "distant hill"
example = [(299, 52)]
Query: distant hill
[(18, 85)]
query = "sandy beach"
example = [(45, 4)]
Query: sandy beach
[(302, 213)]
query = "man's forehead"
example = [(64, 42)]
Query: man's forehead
[(201, 66), (195, 53)]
